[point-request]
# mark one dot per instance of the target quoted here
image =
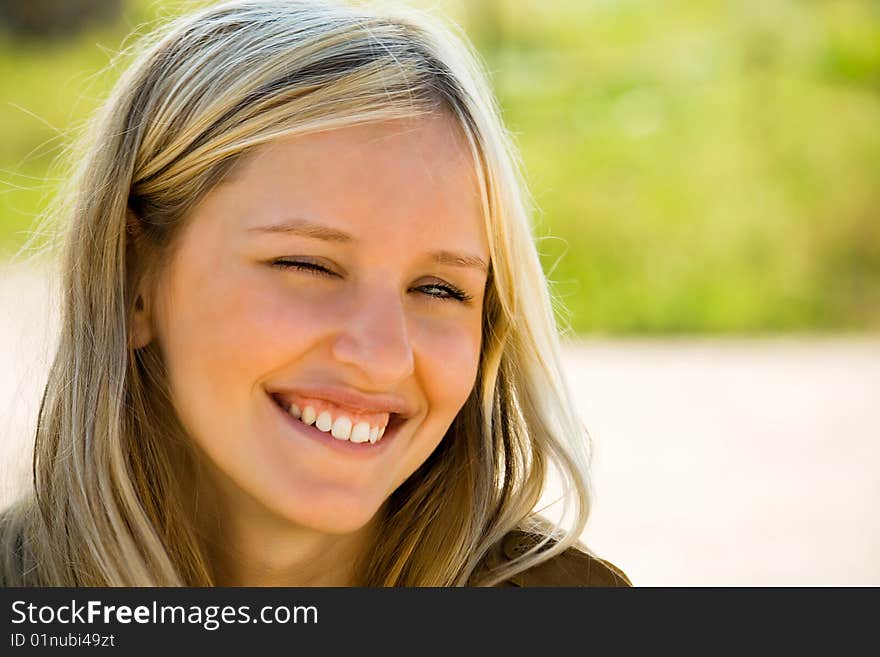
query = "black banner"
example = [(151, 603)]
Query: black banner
[(415, 621)]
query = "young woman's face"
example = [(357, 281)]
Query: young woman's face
[(339, 272)]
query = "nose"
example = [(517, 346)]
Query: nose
[(376, 339)]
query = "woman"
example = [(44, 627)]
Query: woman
[(306, 337)]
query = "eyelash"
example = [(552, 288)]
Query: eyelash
[(454, 293)]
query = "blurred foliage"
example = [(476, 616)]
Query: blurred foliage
[(696, 166), (60, 19)]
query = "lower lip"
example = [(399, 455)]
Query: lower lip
[(346, 447)]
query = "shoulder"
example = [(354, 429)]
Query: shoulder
[(573, 568)]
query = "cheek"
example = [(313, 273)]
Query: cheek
[(448, 355), (222, 335)]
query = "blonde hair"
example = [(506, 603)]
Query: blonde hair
[(110, 455)]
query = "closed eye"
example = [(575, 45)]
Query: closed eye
[(311, 267), (442, 292)]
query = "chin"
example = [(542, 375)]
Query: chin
[(332, 514)]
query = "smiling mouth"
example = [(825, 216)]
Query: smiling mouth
[(345, 438)]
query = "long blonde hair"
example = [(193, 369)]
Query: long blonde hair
[(108, 506)]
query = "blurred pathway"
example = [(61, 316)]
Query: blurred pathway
[(716, 461), (735, 462)]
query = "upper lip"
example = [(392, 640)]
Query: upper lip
[(350, 398)]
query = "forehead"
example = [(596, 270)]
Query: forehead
[(403, 180)]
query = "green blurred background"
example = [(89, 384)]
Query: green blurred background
[(697, 166)]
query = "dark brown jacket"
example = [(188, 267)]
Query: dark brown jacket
[(571, 568)]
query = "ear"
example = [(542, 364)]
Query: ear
[(140, 332)]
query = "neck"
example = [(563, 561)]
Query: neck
[(294, 556), (248, 545)]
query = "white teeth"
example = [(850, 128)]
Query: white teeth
[(341, 428), (324, 422), (360, 433), (308, 415)]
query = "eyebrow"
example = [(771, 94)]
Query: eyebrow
[(306, 228)]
